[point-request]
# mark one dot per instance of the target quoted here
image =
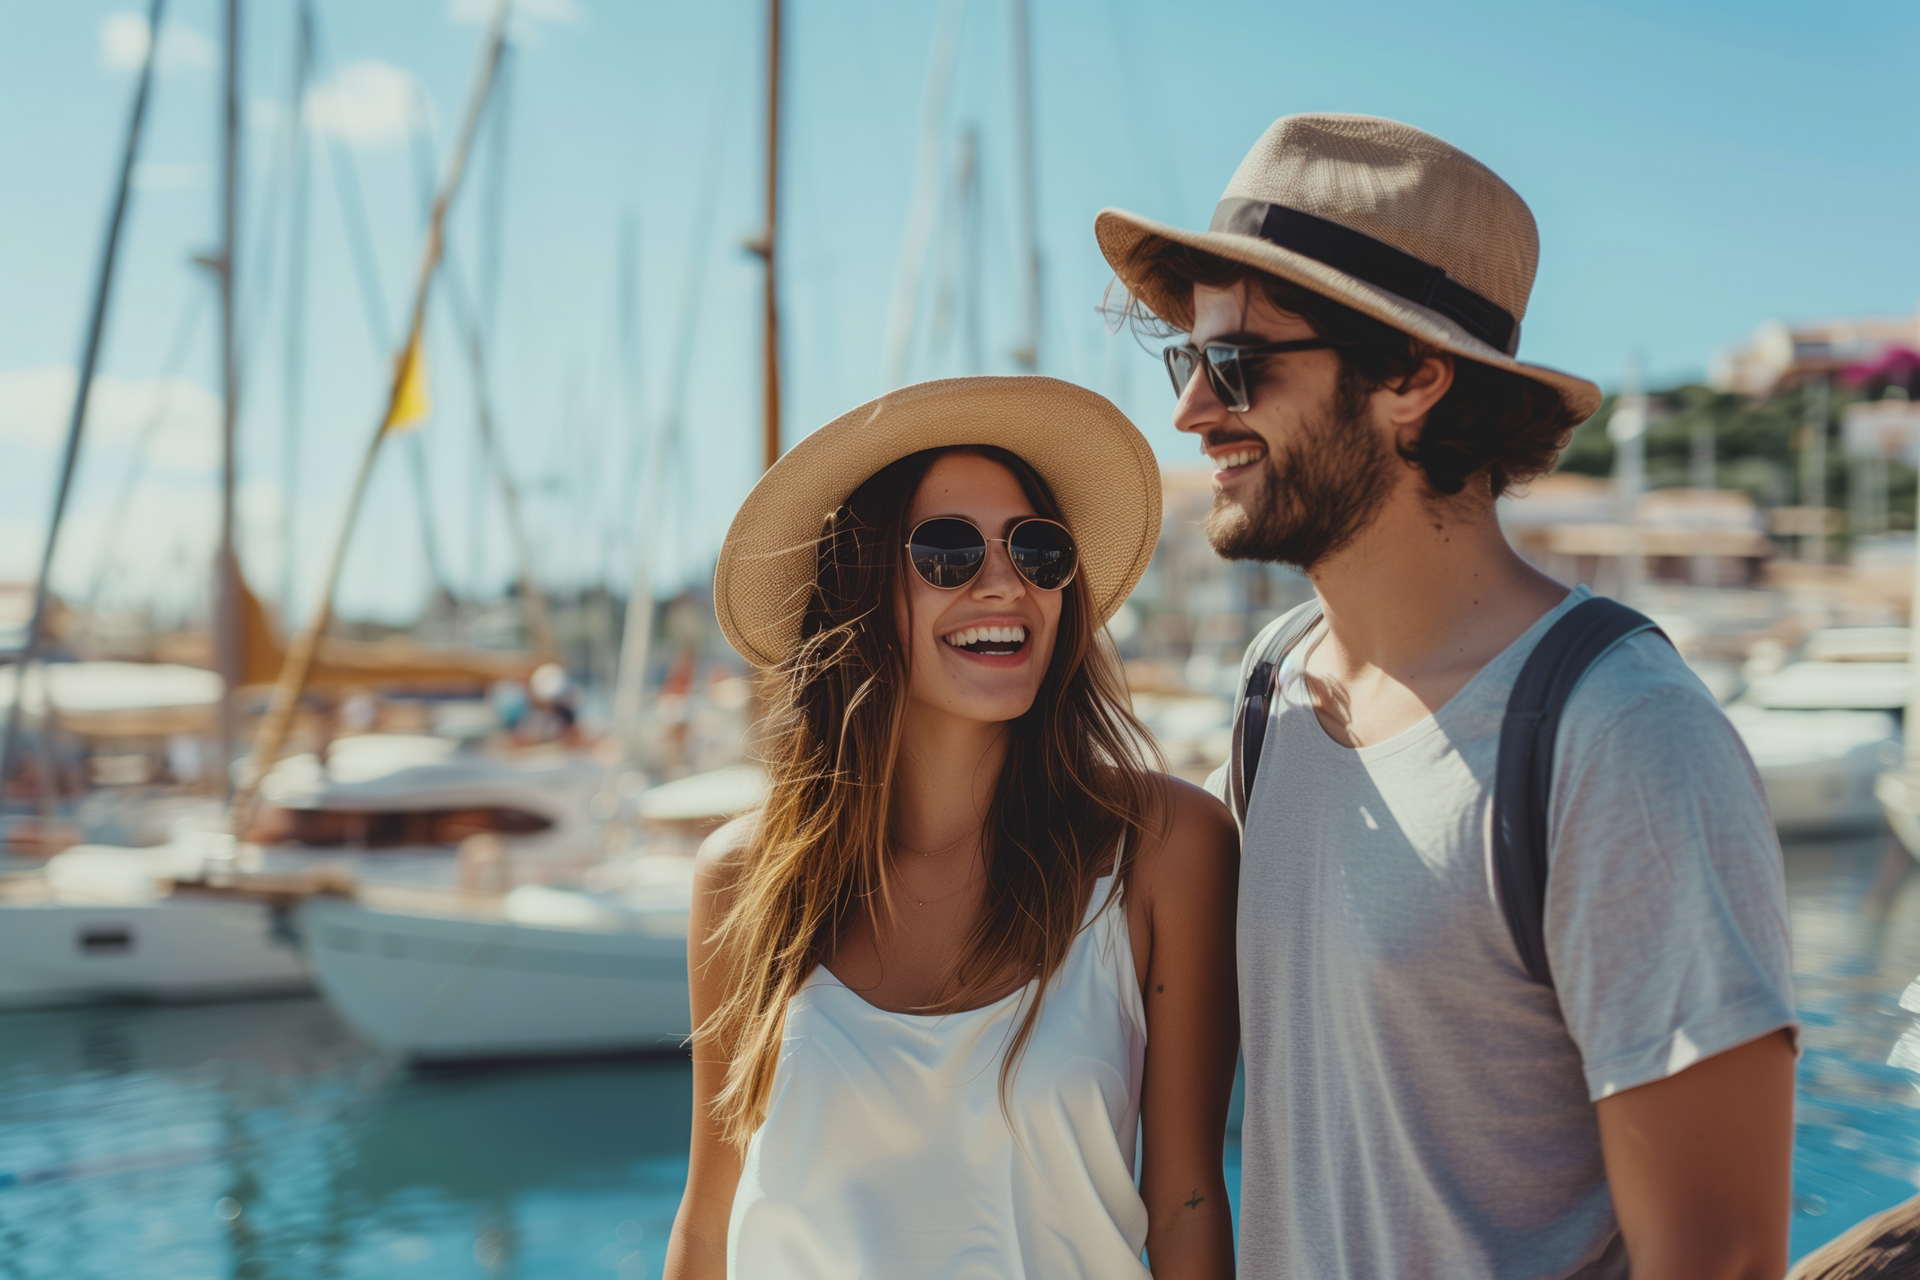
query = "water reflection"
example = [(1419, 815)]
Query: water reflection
[(264, 1141), (1855, 908)]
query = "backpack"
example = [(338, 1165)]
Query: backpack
[(1523, 774)]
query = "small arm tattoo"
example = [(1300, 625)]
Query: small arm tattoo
[(1197, 1200)]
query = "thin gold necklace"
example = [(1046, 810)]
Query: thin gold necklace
[(964, 884), (928, 853)]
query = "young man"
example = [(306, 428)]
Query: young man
[(1417, 1104)]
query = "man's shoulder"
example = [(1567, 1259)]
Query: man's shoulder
[(1261, 647), (1644, 669), (1644, 692)]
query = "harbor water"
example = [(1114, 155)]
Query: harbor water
[(263, 1141)]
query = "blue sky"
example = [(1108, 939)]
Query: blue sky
[(1694, 168)]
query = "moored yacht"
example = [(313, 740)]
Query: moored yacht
[(542, 970), (106, 923), (1821, 729)]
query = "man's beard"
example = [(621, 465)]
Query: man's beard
[(1314, 498)]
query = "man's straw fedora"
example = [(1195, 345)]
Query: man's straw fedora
[(1381, 216), (1097, 463)]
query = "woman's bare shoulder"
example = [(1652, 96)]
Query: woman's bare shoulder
[(723, 855), (1189, 833)]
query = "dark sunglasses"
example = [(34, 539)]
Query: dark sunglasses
[(1226, 366), (947, 552)]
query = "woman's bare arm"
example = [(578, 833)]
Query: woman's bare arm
[(1181, 912), (698, 1247)]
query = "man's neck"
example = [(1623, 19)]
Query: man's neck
[(1429, 593)]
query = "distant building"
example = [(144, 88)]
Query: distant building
[(1779, 355), (1884, 429), (1569, 527)]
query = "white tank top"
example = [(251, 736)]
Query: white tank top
[(885, 1152)]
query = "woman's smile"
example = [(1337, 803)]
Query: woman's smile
[(993, 642)]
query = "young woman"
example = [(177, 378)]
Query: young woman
[(970, 950)]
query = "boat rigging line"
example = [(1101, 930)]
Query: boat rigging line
[(300, 654), (472, 338), (226, 619), (1027, 354), (293, 375), (765, 247), (926, 191), (636, 636), (186, 329), (89, 359)]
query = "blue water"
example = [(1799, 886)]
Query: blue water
[(263, 1141)]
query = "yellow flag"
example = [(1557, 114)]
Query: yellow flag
[(412, 405)]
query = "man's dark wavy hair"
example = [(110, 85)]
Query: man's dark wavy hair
[(1509, 426)]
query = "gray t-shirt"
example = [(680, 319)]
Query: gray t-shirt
[(1415, 1105)]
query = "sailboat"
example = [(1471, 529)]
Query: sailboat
[(101, 922), (598, 967)]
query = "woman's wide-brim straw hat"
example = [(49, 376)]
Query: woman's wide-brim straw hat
[(1381, 216), (1099, 466)]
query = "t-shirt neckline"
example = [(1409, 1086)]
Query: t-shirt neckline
[(1290, 679)]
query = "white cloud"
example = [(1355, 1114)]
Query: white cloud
[(368, 103), (481, 11), (160, 548), (124, 38), (35, 405)]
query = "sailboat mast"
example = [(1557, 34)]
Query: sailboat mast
[(771, 335), (301, 653), (83, 387), (226, 571), (1027, 354), (922, 212), (296, 334)]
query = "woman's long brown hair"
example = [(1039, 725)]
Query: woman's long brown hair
[(1075, 778)]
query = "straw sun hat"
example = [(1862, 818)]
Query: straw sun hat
[(1097, 463), (1381, 216)]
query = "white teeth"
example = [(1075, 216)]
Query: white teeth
[(1227, 461), (990, 635)]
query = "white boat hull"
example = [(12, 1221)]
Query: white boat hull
[(1827, 796), (1819, 766), (444, 988), (1900, 802), (171, 949)]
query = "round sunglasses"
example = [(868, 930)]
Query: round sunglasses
[(1226, 365), (947, 552)]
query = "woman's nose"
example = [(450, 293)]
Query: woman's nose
[(998, 579)]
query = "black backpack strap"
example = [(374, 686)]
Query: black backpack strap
[(1523, 776), (1250, 715)]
